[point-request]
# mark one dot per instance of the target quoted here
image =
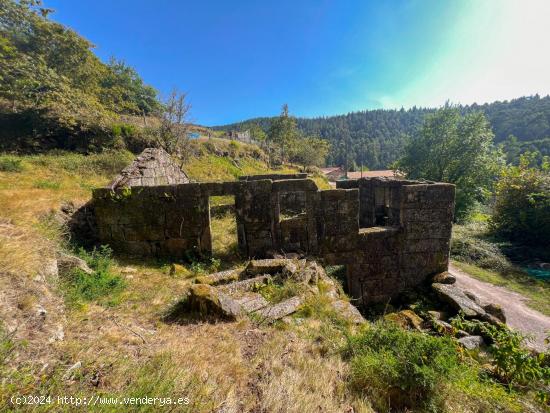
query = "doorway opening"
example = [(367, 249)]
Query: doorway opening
[(223, 228)]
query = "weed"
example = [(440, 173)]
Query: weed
[(514, 365)]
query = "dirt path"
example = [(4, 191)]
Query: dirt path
[(518, 315)]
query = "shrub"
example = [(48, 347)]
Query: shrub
[(400, 369), (522, 209), (9, 164), (514, 365)]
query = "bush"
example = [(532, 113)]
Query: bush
[(400, 369), (9, 164), (522, 209), (514, 364)]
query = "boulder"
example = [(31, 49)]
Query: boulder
[(471, 342), (457, 299), (208, 300), (67, 263), (349, 311), (496, 311), (406, 319), (444, 278)]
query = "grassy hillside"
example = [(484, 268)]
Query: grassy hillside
[(119, 332)]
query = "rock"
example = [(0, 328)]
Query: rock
[(349, 311), (472, 297), (496, 311), (269, 266), (69, 374), (290, 269), (461, 333), (444, 278), (49, 269), (245, 285), (208, 300), (251, 302), (280, 310), (310, 273), (437, 315), (442, 327), (471, 342), (58, 334), (452, 295), (221, 277), (67, 263), (406, 319)]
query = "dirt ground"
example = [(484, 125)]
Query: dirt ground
[(518, 315)]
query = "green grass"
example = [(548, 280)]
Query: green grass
[(537, 291), (10, 164), (47, 184), (102, 286)]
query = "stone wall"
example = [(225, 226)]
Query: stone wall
[(391, 234)]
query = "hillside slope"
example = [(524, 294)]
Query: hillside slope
[(377, 136)]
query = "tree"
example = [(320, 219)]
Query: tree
[(282, 133), (458, 149), (310, 151), (522, 207), (172, 133)]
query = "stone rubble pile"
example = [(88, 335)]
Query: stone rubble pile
[(234, 293)]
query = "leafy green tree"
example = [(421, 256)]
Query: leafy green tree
[(123, 90), (522, 208), (282, 133), (310, 151), (457, 149)]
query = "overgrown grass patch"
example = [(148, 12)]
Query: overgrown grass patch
[(399, 369), (10, 164), (102, 286)]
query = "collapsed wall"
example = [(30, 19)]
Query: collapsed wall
[(391, 234)]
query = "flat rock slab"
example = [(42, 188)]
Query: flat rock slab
[(208, 300), (280, 310), (251, 302), (219, 277), (245, 285), (455, 297), (269, 266)]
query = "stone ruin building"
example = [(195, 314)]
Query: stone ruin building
[(390, 234)]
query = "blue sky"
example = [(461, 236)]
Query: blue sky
[(243, 59)]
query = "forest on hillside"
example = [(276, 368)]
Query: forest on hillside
[(376, 138)]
